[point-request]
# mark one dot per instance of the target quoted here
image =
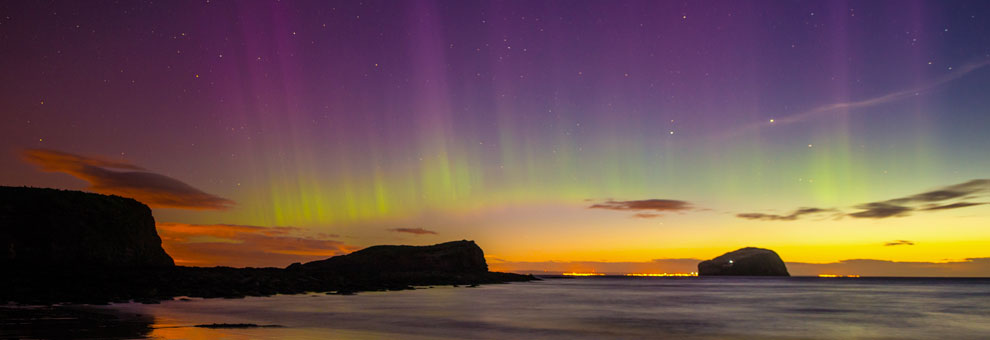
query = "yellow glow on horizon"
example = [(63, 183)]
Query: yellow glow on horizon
[(836, 275), (582, 274)]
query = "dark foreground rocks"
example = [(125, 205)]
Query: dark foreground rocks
[(747, 261), (150, 285), (67, 246)]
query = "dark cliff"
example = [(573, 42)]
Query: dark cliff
[(747, 261), (47, 228), (451, 257)]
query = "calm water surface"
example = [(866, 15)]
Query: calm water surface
[(605, 307)]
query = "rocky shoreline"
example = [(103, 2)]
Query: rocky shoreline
[(158, 284), (59, 246)]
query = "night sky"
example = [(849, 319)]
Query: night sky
[(269, 132)]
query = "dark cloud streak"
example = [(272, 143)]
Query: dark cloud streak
[(415, 231), (880, 210), (933, 200), (789, 217), (645, 208), (952, 206), (903, 206), (949, 192), (899, 243), (659, 205)]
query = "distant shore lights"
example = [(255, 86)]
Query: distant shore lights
[(664, 274), (836, 275), (635, 274)]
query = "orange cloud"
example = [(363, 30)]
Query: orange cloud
[(128, 180), (244, 246)]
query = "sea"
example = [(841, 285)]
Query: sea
[(601, 307)]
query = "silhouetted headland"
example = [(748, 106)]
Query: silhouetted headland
[(70, 246), (747, 261), (60, 228)]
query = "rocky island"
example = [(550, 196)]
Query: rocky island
[(69, 246), (749, 261)]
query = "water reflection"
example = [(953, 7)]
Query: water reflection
[(72, 322), (600, 307)]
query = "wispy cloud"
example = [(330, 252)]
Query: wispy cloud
[(649, 208), (933, 200), (660, 205), (891, 97), (952, 206), (126, 179), (950, 192), (646, 215), (880, 210), (945, 198), (415, 231), (789, 217), (899, 243), (244, 245)]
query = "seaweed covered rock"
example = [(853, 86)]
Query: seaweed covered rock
[(747, 261), (44, 228)]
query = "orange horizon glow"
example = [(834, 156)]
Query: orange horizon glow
[(836, 275)]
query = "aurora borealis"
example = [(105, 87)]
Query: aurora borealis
[(262, 132)]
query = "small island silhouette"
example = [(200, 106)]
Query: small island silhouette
[(749, 261)]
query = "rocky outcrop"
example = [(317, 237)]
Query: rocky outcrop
[(69, 246), (747, 261), (451, 257), (45, 228)]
